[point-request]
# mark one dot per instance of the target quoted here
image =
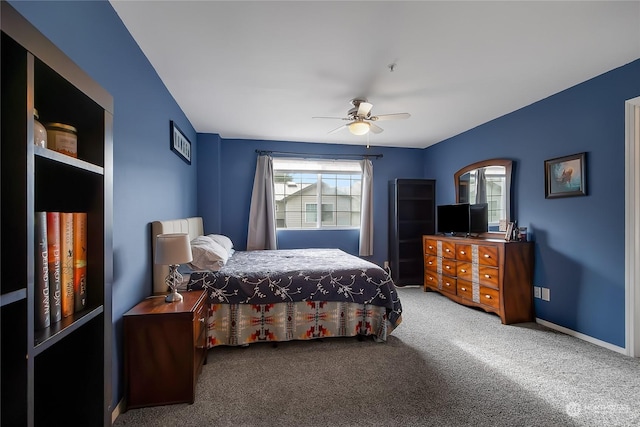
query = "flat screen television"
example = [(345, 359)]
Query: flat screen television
[(479, 218), (453, 219)]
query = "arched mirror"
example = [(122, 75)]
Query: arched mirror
[(489, 182)]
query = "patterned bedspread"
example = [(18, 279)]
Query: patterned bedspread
[(275, 276)]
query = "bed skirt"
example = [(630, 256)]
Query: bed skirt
[(242, 324)]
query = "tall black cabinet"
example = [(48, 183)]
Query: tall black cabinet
[(411, 215), (60, 374)]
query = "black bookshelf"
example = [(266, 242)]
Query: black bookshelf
[(411, 215), (45, 370)]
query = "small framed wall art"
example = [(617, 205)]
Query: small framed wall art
[(180, 144), (565, 176)]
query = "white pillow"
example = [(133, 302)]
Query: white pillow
[(208, 254), (223, 241)]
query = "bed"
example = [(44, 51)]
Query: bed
[(284, 295)]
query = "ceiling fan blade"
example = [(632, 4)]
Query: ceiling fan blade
[(335, 118), (375, 129), (394, 116), (337, 129), (364, 108)]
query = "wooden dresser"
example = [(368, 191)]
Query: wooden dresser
[(491, 274)]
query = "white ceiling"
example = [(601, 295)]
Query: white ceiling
[(263, 69)]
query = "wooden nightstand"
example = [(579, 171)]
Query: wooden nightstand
[(165, 348)]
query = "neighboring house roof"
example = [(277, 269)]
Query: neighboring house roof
[(306, 189)]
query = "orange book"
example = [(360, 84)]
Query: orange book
[(80, 260), (53, 242), (66, 270)]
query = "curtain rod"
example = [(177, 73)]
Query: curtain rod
[(376, 156)]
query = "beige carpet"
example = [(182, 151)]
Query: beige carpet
[(445, 365)]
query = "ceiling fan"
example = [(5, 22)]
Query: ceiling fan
[(361, 120)]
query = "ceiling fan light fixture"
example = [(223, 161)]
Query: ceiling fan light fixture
[(359, 128)]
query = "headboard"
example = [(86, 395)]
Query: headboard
[(192, 226)]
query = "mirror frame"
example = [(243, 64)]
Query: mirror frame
[(508, 171)]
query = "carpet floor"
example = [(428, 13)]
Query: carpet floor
[(445, 365)]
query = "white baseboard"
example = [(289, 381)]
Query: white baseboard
[(583, 337), (117, 411)]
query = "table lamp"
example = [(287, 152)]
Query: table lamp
[(173, 249)]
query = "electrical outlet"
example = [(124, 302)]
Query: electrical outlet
[(386, 265), (537, 293), (546, 294)]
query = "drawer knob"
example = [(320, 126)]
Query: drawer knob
[(463, 270), (430, 262), (447, 250), (487, 256), (462, 252), (430, 247), (488, 296), (487, 276), (464, 289), (202, 319), (448, 267)]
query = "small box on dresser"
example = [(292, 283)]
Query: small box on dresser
[(165, 348), (490, 274)]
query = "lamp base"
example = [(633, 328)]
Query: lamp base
[(173, 297), (173, 279)]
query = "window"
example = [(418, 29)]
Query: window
[(301, 185)]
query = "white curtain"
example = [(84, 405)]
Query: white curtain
[(366, 210), (262, 214)]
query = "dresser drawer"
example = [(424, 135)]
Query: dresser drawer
[(487, 255), (430, 246), (465, 289), (431, 279), (464, 270), (449, 266), (449, 284), (431, 262), (488, 276), (448, 250), (489, 296)]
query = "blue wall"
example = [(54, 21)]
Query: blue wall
[(150, 181), (236, 162), (579, 247)]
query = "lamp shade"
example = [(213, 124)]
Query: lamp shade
[(173, 249), (359, 128)]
